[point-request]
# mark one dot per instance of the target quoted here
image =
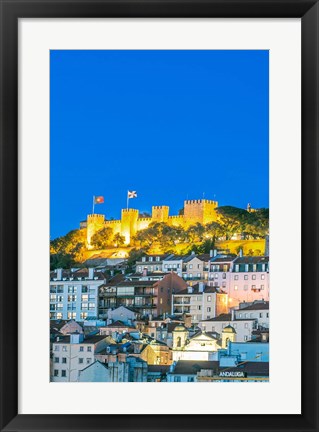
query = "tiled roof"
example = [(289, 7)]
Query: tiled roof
[(255, 306), (252, 260)]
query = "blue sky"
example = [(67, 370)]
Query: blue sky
[(171, 125)]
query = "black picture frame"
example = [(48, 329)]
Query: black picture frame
[(11, 11)]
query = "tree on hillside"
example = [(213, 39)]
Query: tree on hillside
[(118, 240), (102, 238), (196, 233)]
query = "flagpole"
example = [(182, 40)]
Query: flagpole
[(93, 204), (127, 201)]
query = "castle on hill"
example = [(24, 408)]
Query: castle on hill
[(195, 211)]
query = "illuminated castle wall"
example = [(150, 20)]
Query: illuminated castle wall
[(195, 211)]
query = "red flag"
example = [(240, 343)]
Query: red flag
[(99, 200)]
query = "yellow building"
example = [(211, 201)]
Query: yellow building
[(195, 211)]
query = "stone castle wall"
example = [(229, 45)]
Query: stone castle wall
[(195, 211)]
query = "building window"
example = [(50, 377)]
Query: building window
[(177, 379), (71, 298), (236, 287), (262, 287), (56, 348), (85, 289), (84, 306), (246, 277), (63, 359), (267, 314), (56, 372), (64, 348), (89, 349), (209, 309), (253, 277), (63, 373), (71, 315), (83, 315), (81, 348), (260, 315), (245, 338), (91, 306), (236, 277), (81, 360), (209, 298), (262, 276), (71, 289), (85, 297), (161, 301), (190, 379), (88, 361), (56, 360), (245, 287), (190, 266)]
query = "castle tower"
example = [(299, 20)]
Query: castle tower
[(228, 335), (199, 211), (180, 335), (95, 222), (129, 224), (160, 213)]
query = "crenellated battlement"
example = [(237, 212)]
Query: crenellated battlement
[(130, 210), (195, 211)]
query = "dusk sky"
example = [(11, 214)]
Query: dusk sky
[(171, 125)]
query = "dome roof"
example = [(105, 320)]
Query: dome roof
[(229, 329)]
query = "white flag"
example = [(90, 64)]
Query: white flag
[(131, 194)]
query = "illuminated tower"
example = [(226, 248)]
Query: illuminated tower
[(160, 213), (95, 222), (199, 211), (129, 224)]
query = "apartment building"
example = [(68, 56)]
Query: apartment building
[(73, 353), (74, 293), (200, 301)]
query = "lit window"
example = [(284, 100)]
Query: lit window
[(64, 348), (236, 287), (262, 276), (209, 298), (190, 266)]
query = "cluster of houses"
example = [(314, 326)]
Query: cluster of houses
[(175, 319)]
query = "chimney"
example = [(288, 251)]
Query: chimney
[(91, 273), (240, 252), (232, 314), (59, 274), (215, 252)]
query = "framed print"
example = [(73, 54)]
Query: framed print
[(159, 215)]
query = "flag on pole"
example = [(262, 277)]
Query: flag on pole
[(98, 200), (131, 194)]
